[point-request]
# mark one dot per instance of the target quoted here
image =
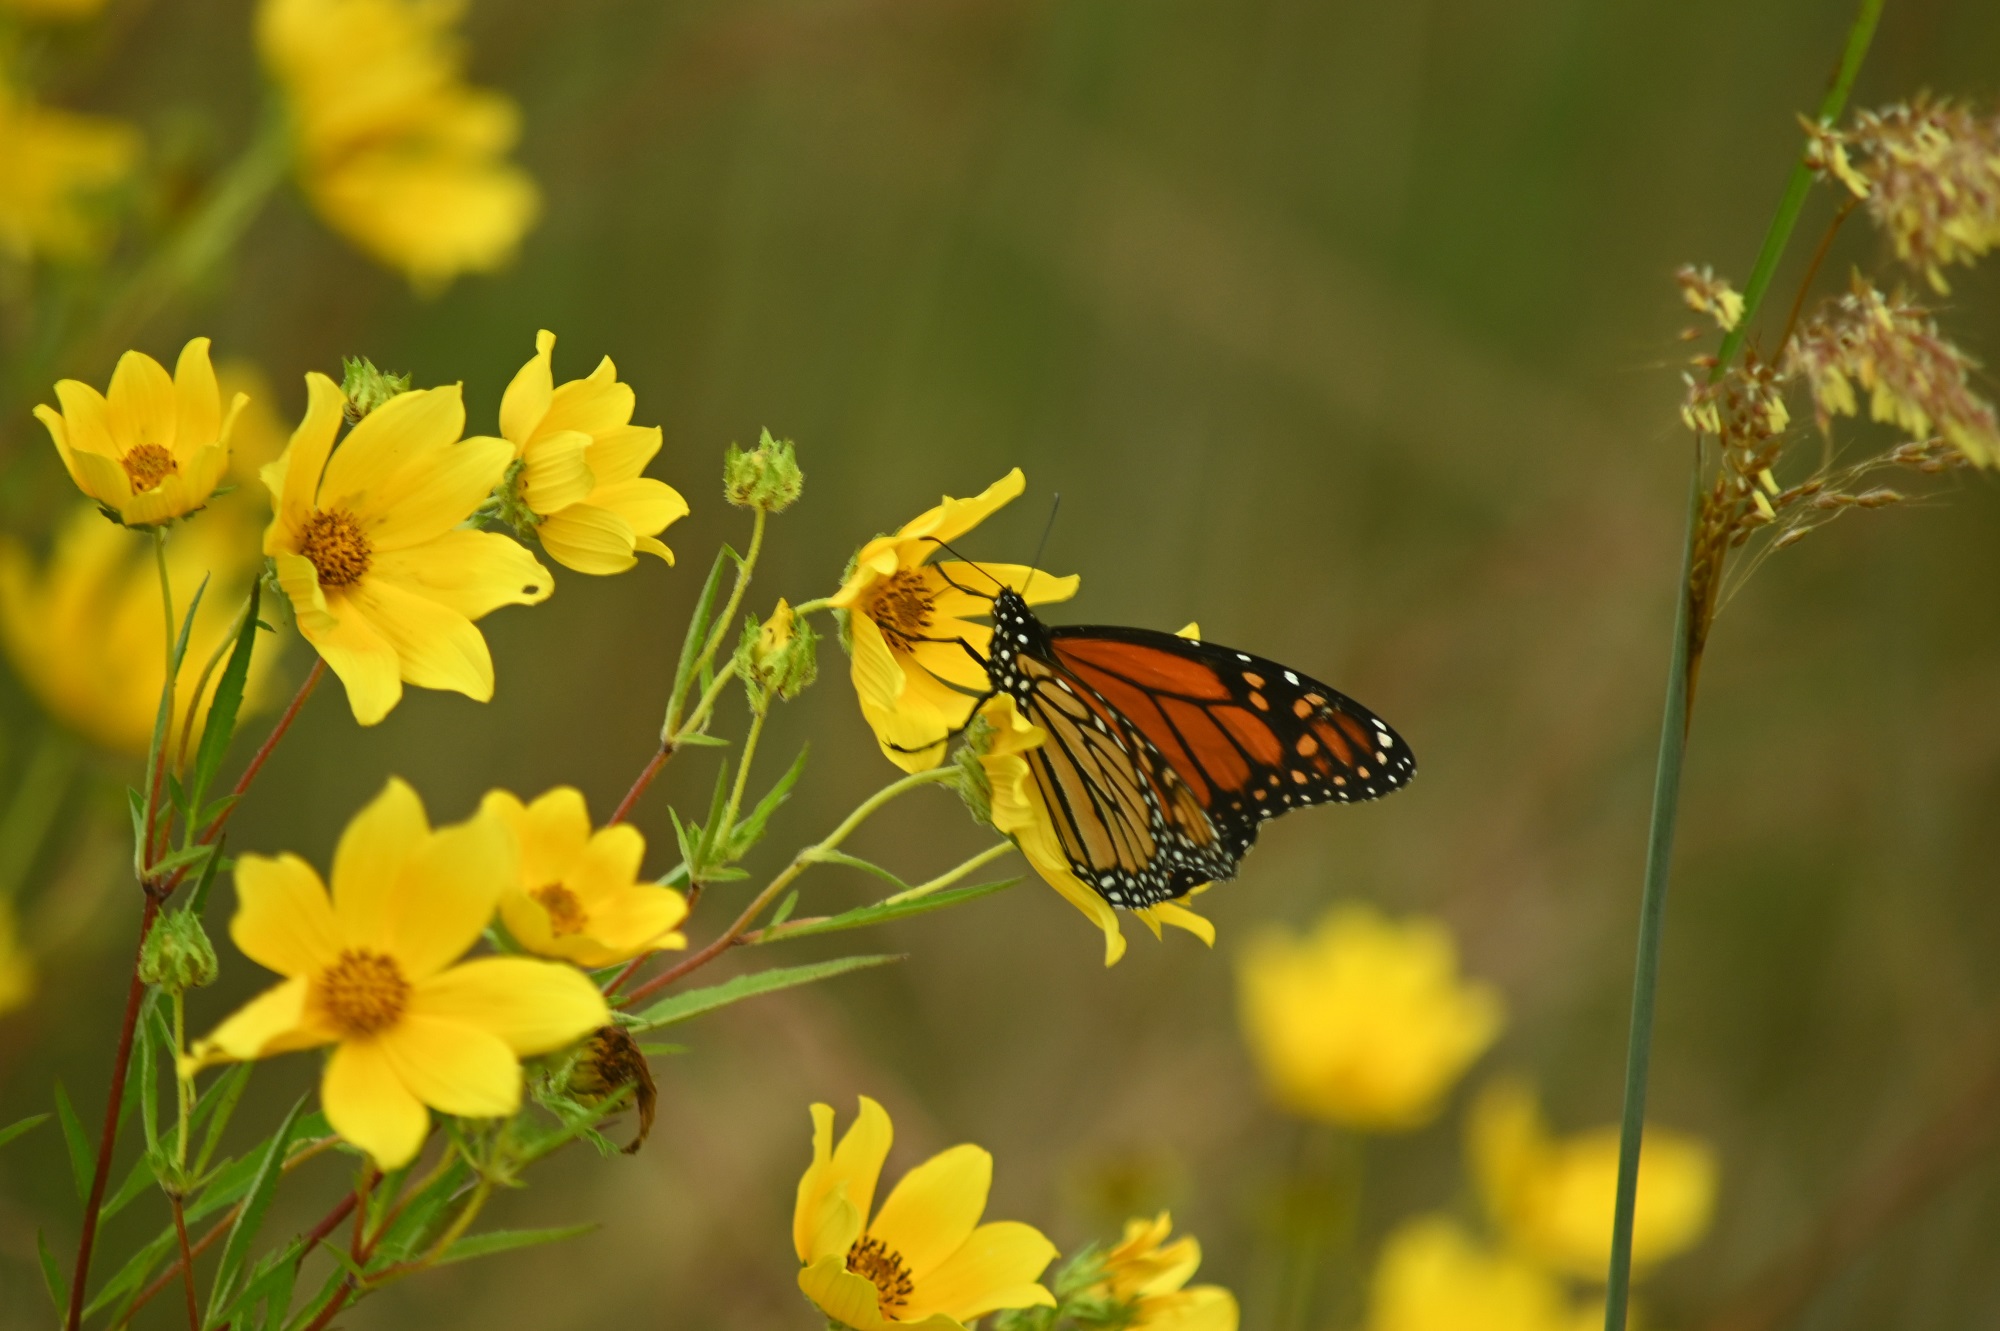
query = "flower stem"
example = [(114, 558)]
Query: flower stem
[(952, 875), (718, 631), (639, 783), (1677, 715), (163, 725), (187, 1260)]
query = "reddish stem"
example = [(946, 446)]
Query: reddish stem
[(631, 968), (645, 778), (187, 1262), (728, 939), (332, 1309), (135, 995)]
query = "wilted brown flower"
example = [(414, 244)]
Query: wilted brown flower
[(612, 1061), (1929, 172)]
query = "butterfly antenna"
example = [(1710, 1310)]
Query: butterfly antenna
[(947, 547), (1035, 564)]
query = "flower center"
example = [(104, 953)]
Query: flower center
[(336, 547), (902, 608), (148, 465), (884, 1266), (566, 913), (364, 993)]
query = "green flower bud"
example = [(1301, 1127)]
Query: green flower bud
[(973, 787), (779, 657), (766, 477), (367, 387), (177, 956)]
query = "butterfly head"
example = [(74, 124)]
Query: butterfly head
[(1016, 632)]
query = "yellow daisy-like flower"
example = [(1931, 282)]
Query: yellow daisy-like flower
[(383, 580), (1553, 1196), (1433, 1276), (577, 895), (1015, 807), (923, 1259), (17, 964), (1151, 1275), (395, 151), (1364, 1023), (580, 459), (906, 618), (51, 162), (369, 970), (152, 448), (86, 634)]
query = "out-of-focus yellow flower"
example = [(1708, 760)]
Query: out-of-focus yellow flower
[(369, 970), (1364, 1022), (260, 431), (906, 618), (152, 448), (580, 457), (578, 896), (51, 162), (395, 151), (17, 964), (1433, 1276), (1016, 807), (1150, 1275), (1553, 1197), (923, 1258), (383, 580), (86, 633)]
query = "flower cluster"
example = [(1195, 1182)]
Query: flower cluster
[(53, 164)]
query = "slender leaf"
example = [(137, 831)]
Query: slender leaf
[(138, 1181), (423, 1217), (28, 1124), (184, 858), (133, 1274), (52, 1275), (198, 902), (507, 1240), (236, 1248), (694, 1002), (136, 802), (275, 1268), (866, 866), (218, 1104), (187, 623), (697, 629), (152, 1036), (712, 829), (699, 740), (785, 909), (278, 1292), (228, 700), (683, 838), (82, 1161), (882, 911), (751, 830)]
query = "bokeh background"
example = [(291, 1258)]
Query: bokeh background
[(1347, 329)]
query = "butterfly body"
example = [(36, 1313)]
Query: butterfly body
[(1166, 755)]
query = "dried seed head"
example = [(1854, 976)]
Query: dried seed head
[(1929, 172)]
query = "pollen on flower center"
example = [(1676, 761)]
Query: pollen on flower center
[(884, 1266), (902, 608), (336, 547), (566, 913), (363, 993), (148, 465)]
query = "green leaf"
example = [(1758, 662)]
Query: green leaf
[(697, 629), (217, 1104), (151, 1037), (866, 866), (275, 1268), (187, 623), (228, 701), (751, 830), (52, 1275), (694, 1002), (133, 1274), (136, 802), (277, 1289), (709, 831), (184, 858), (28, 1124), (507, 1240), (198, 902), (883, 911), (138, 1181), (701, 740), (82, 1161), (785, 909), (236, 1248)]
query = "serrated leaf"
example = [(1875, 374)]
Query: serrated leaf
[(751, 830), (882, 912), (695, 1002), (227, 702), (236, 1248), (52, 1276), (507, 1240), (82, 1162), (28, 1124)]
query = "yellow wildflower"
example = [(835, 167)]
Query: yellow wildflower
[(923, 1258), (1433, 1276), (580, 457), (383, 580), (17, 964), (86, 634), (1149, 1275), (1365, 1022), (907, 618), (1016, 807), (577, 895), (395, 151), (51, 162), (369, 971), (1553, 1197), (151, 449)]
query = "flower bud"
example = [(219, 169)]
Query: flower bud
[(367, 387), (611, 1061), (779, 657), (177, 955), (973, 785), (766, 477)]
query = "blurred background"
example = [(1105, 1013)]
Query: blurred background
[(1346, 329)]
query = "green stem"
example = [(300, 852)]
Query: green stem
[(1674, 723), (952, 875), (163, 723), (717, 634), (735, 804)]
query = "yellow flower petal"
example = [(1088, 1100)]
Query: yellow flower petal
[(595, 404), (846, 1298), (621, 453), (588, 539), (933, 1208), (197, 400), (368, 864), (293, 478), (453, 1067), (534, 1006), (552, 831), (283, 920), (435, 492), (140, 403), (368, 1104), (277, 1021), (648, 506), (607, 864), (405, 434), (449, 886), (1202, 1308), (854, 1165), (955, 517), (471, 572), (557, 473), (996, 1267), (527, 397), (435, 646)]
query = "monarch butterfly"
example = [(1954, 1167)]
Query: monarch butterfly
[(1166, 755)]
